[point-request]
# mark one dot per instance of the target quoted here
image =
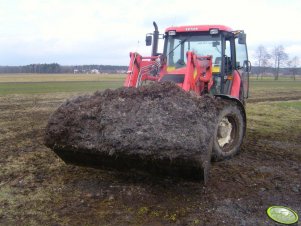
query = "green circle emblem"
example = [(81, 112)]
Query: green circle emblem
[(282, 214)]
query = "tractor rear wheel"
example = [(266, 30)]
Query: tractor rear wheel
[(229, 132)]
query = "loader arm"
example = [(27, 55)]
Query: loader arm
[(141, 69), (198, 74)]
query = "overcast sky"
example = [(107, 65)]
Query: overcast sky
[(72, 32)]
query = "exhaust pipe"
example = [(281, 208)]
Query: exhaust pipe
[(155, 42)]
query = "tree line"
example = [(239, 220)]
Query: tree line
[(55, 68), (278, 59), (275, 62)]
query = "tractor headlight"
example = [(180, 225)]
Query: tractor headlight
[(172, 33), (214, 31)]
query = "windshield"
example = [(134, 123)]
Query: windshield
[(201, 44)]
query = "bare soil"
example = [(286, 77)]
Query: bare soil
[(36, 187)]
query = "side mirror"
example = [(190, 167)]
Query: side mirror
[(247, 66), (242, 38), (148, 40)]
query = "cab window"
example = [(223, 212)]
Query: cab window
[(241, 54)]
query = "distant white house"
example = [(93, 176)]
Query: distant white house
[(121, 71), (94, 71)]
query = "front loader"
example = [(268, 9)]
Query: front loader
[(178, 109)]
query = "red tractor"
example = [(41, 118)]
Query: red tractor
[(104, 130), (205, 59)]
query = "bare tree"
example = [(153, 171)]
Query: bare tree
[(279, 56), (293, 66), (262, 56)]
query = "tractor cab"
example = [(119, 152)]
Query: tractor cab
[(226, 47)]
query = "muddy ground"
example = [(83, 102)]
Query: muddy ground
[(37, 188)]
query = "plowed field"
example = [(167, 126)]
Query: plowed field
[(38, 188)]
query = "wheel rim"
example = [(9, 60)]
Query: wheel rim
[(226, 133)]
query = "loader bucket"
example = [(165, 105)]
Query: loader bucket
[(157, 128)]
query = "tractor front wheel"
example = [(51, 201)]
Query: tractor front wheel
[(229, 131)]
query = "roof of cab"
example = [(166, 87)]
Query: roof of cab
[(197, 28)]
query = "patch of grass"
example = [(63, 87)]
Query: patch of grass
[(270, 90), (52, 87), (268, 86), (271, 78), (172, 217), (143, 210), (59, 77), (290, 105), (270, 119), (52, 83)]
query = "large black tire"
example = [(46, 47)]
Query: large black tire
[(229, 132)]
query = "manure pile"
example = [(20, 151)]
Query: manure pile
[(158, 128)]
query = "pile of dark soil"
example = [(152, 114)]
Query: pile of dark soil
[(158, 128)]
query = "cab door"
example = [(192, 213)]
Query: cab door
[(243, 65)]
